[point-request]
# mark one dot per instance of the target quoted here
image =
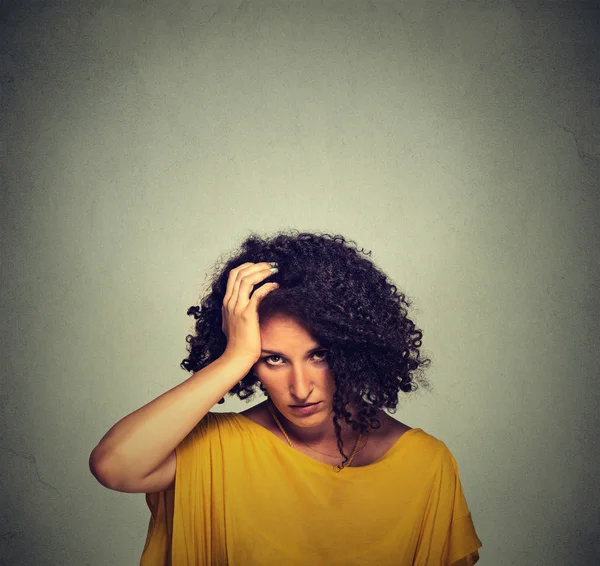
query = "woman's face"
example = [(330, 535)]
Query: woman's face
[(294, 370)]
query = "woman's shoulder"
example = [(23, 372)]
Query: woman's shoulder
[(210, 424), (260, 415), (380, 440), (390, 431), (393, 435)]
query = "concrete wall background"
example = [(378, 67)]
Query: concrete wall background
[(459, 141)]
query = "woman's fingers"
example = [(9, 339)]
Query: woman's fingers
[(240, 315), (231, 282), (245, 284), (260, 293)]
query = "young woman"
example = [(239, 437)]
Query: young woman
[(317, 474)]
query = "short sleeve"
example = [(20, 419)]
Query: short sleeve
[(463, 539), (174, 513), (447, 533), (198, 510), (157, 547)]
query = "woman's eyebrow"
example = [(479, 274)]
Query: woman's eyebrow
[(272, 352)]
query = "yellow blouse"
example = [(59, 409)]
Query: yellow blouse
[(244, 497)]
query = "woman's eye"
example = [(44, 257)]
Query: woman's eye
[(274, 360)]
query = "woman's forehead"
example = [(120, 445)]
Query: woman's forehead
[(282, 323)]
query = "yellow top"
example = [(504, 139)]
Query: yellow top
[(244, 497)]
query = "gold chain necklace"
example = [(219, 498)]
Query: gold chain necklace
[(354, 452)]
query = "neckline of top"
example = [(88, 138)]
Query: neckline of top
[(378, 462)]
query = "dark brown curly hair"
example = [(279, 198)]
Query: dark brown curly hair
[(344, 301)]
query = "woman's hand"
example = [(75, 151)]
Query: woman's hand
[(240, 316)]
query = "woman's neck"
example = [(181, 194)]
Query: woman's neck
[(323, 435)]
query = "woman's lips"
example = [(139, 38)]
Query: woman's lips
[(305, 409)]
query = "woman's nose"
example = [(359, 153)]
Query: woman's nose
[(300, 383)]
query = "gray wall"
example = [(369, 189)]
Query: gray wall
[(459, 141)]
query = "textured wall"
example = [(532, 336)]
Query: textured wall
[(457, 140)]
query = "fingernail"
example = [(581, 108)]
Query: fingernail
[(273, 263), (274, 269)]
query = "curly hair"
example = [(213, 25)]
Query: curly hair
[(344, 301)]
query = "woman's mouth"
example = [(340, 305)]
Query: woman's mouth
[(305, 409)]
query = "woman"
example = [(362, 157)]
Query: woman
[(318, 473)]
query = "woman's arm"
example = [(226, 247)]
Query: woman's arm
[(469, 560), (137, 455)]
